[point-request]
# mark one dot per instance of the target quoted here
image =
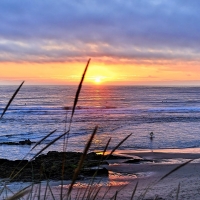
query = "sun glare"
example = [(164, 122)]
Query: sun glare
[(97, 80)]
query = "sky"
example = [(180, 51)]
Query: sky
[(130, 42)]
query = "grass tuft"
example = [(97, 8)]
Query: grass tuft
[(11, 99), (178, 190), (175, 169), (43, 139), (135, 188), (117, 146), (80, 164), (79, 89), (19, 194)]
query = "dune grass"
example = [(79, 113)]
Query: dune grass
[(11, 99)]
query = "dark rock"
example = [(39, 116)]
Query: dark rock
[(3, 161), (136, 161), (28, 142), (24, 142), (93, 156), (97, 171), (54, 165), (113, 157), (19, 162)]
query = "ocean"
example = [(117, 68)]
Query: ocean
[(171, 113)]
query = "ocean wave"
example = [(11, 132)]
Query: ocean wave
[(108, 110), (175, 109), (22, 110), (89, 108)]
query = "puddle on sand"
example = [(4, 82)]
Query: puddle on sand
[(174, 161), (114, 179)]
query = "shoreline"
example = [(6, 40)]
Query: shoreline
[(148, 174), (185, 153), (126, 175)]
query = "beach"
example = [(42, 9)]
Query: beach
[(123, 177), (165, 161)]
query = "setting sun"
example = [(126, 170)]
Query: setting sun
[(97, 80)]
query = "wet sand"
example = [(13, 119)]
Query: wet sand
[(148, 174), (123, 177)]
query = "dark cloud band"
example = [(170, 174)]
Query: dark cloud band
[(42, 31)]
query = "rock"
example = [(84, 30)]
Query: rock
[(93, 156), (28, 142), (24, 142), (135, 161), (113, 157), (102, 171), (50, 166), (3, 161)]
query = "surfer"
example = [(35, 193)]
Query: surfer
[(151, 135)]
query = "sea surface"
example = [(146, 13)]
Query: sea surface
[(171, 113)]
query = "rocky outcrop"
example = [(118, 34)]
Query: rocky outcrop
[(54, 165), (23, 142), (138, 161)]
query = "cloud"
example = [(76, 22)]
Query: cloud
[(58, 31)]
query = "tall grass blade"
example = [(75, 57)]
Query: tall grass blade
[(122, 187), (134, 191), (37, 154), (92, 189), (77, 170), (45, 192), (35, 192), (78, 194), (100, 161), (115, 197), (43, 139), (87, 190), (11, 99), (19, 194), (39, 191), (30, 151), (175, 169), (156, 197), (31, 192), (96, 193), (75, 103), (4, 187), (178, 190), (12, 175), (1, 191), (79, 89), (52, 195), (145, 191), (118, 145), (106, 192), (105, 149), (52, 142)]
